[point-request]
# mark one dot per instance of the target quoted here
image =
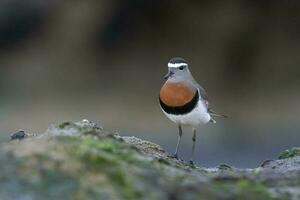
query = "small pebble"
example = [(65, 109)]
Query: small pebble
[(266, 162), (224, 167), (18, 135)]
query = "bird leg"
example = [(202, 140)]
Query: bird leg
[(193, 147), (175, 155)]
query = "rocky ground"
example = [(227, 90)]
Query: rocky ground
[(83, 161)]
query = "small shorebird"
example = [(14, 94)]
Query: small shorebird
[(184, 101)]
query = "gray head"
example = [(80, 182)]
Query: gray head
[(178, 70)]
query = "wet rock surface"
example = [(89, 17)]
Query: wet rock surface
[(83, 161)]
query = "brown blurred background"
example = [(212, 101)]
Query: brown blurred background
[(105, 61)]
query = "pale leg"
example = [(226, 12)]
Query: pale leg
[(178, 141), (193, 147)]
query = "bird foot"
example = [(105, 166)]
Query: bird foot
[(192, 164)]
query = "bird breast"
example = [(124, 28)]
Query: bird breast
[(176, 94)]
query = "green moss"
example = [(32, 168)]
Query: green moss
[(250, 187), (106, 144), (163, 161), (290, 153), (108, 157), (64, 124), (241, 189)]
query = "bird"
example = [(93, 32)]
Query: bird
[(184, 101)]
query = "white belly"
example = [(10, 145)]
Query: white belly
[(196, 117)]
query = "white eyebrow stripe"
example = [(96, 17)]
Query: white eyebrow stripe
[(176, 65)]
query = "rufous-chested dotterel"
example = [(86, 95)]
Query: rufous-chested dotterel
[(184, 101)]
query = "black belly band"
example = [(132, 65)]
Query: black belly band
[(180, 110)]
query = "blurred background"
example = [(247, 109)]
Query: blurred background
[(104, 60)]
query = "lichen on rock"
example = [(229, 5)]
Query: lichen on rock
[(81, 160)]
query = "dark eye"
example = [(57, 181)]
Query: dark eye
[(181, 68)]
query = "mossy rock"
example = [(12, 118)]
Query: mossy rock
[(289, 153), (83, 161)]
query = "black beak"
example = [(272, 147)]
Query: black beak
[(168, 75)]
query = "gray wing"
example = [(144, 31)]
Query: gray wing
[(202, 93), (205, 100)]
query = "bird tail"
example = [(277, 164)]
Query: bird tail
[(212, 121), (213, 113)]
